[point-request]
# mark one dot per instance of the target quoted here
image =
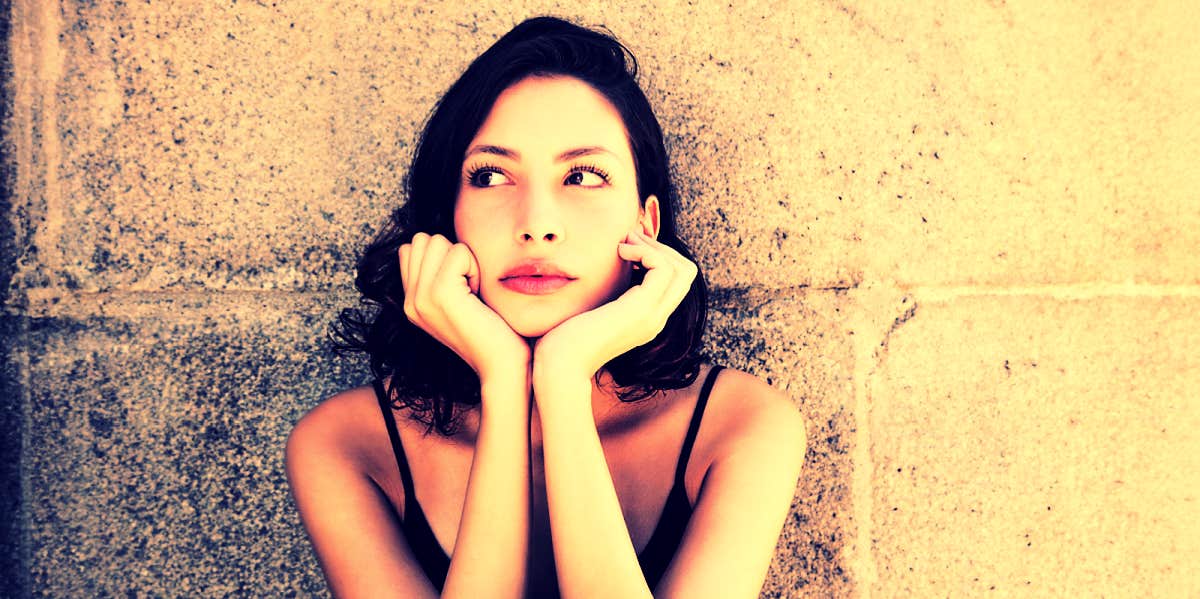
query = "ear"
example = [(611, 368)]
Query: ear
[(648, 217)]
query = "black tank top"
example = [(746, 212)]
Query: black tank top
[(654, 559)]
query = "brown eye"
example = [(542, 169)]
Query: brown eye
[(487, 177), (586, 178)]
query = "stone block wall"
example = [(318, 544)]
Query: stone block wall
[(962, 238)]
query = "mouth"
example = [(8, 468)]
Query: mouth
[(535, 284), (536, 277)]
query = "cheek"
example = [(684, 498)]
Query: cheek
[(473, 224), (472, 232), (463, 222), (603, 239), (601, 232), (609, 218)]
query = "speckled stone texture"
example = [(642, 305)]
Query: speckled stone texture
[(799, 342), (1059, 485), (961, 239), (158, 437)]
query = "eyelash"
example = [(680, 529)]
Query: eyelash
[(590, 168), (475, 170), (479, 168)]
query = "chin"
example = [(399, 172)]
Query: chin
[(532, 318), (532, 328), (532, 321)]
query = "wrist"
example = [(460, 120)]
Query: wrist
[(504, 380), (560, 397), (510, 382), (549, 374), (512, 370)]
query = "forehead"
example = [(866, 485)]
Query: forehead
[(540, 117)]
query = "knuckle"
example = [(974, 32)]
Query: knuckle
[(420, 305), (440, 295)]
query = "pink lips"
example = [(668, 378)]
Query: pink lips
[(535, 278)]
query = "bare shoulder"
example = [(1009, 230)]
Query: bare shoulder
[(745, 492), (755, 417), (344, 429), (333, 459)]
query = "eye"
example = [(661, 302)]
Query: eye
[(486, 176), (587, 176)]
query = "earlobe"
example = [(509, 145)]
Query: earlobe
[(649, 218)]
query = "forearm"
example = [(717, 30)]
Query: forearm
[(593, 552), (493, 536)]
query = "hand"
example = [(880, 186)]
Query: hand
[(584, 343), (441, 283)]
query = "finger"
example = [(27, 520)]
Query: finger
[(431, 263), (682, 269), (682, 284), (472, 270), (648, 240), (654, 259), (669, 291), (405, 254), (455, 270), (635, 255), (416, 253), (649, 257), (639, 238)]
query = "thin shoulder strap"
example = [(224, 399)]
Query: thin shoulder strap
[(694, 427), (385, 406)]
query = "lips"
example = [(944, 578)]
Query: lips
[(535, 278)]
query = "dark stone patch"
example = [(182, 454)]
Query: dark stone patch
[(159, 437), (774, 335), (101, 425), (14, 557)]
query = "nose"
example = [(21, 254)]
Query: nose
[(539, 218)]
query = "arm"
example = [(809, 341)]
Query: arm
[(593, 552), (739, 512), (493, 535), (747, 491)]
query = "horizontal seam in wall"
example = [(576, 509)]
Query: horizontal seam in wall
[(45, 303), (1082, 291)]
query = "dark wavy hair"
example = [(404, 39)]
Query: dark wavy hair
[(423, 374)]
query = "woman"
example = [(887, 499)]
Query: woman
[(542, 423)]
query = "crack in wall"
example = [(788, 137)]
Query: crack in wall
[(881, 353)]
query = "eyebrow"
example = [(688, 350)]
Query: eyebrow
[(587, 151), (497, 150), (515, 155)]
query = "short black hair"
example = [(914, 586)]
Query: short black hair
[(425, 375)]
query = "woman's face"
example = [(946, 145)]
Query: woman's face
[(548, 191)]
